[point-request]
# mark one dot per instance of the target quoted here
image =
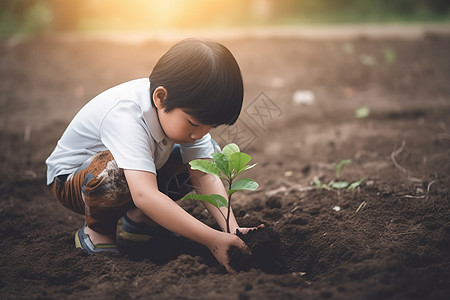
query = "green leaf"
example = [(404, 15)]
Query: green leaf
[(214, 199), (338, 184), (389, 56), (320, 185), (205, 166), (246, 168), (243, 184), (339, 166), (230, 149), (238, 161), (221, 162), (355, 184), (342, 163)]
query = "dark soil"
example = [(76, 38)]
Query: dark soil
[(388, 239), (267, 254)]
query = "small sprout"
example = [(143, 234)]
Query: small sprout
[(389, 56), (227, 165), (320, 185), (339, 185), (354, 185), (338, 167)]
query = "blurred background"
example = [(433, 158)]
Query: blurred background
[(48, 16)]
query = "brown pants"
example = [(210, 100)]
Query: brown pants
[(98, 189)]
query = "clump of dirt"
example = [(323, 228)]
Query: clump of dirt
[(266, 250)]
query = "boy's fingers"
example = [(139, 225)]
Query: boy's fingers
[(244, 248), (245, 230), (230, 269)]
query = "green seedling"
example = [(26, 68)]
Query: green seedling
[(338, 167), (354, 185), (318, 183), (389, 56), (228, 164), (336, 183)]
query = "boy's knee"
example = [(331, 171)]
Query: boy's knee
[(105, 184)]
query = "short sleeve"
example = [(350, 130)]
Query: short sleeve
[(124, 132), (202, 148)]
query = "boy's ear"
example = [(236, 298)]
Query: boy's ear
[(159, 95)]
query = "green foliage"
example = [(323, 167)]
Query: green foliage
[(230, 149), (363, 11), (320, 185), (338, 166), (227, 165), (25, 16), (214, 199), (243, 184), (354, 185), (337, 184), (38, 16), (389, 56), (205, 166)]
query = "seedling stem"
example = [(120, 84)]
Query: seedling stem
[(227, 165)]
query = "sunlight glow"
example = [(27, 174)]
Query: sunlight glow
[(132, 14)]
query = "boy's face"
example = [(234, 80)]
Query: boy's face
[(181, 127)]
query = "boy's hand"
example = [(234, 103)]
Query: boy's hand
[(222, 243)]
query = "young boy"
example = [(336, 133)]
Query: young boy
[(119, 155)]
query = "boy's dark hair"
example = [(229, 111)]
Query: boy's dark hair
[(202, 78)]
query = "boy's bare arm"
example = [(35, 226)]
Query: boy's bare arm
[(163, 210)]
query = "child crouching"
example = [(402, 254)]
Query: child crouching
[(122, 154)]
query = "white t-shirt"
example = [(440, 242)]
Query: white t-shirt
[(123, 121)]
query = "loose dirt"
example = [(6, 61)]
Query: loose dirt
[(388, 239)]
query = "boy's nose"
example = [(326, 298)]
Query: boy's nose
[(197, 135), (201, 132)]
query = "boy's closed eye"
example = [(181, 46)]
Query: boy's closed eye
[(192, 124)]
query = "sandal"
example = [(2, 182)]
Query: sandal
[(83, 241)]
